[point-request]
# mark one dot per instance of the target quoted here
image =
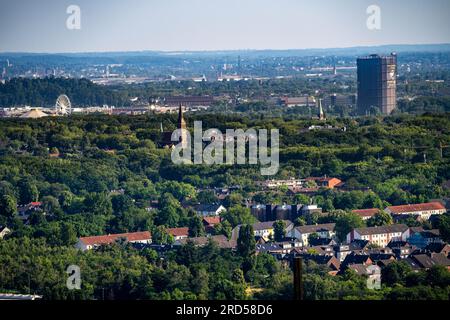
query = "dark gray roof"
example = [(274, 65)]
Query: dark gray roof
[(383, 229), (268, 225), (436, 247), (220, 240), (207, 207), (428, 261), (267, 247), (316, 228)]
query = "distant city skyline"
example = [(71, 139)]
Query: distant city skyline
[(205, 25)]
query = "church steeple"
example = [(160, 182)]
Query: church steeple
[(321, 114), (182, 126), (181, 121)]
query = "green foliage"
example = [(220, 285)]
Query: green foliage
[(237, 215), (110, 177), (8, 206), (278, 228), (246, 241), (196, 228), (382, 218), (346, 223)]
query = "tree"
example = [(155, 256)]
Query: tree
[(238, 215), (246, 241), (170, 212), (68, 234), (28, 191), (395, 272), (50, 205), (444, 227), (278, 227), (347, 223), (300, 221), (8, 206), (196, 227), (223, 228), (302, 199), (381, 218), (206, 196), (98, 204), (160, 235), (313, 236)]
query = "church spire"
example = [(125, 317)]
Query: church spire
[(321, 114), (181, 121)]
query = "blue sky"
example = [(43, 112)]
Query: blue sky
[(130, 25)]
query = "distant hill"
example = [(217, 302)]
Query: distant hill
[(121, 57)]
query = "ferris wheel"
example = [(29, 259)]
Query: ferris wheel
[(63, 105)]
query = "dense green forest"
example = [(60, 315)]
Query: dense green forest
[(75, 165)]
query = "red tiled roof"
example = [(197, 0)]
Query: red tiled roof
[(108, 239), (212, 220), (36, 204), (417, 207), (366, 212), (322, 179), (178, 232)]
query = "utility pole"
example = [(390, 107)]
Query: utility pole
[(298, 279)]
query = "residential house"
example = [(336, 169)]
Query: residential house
[(277, 249), (436, 247), (178, 233), (206, 210), (220, 240), (25, 210), (376, 257), (325, 182), (401, 249), (13, 296), (88, 243), (380, 236), (355, 258), (322, 242), (274, 184), (210, 222), (356, 246), (310, 209), (266, 231), (424, 210), (422, 238), (4, 231), (366, 214), (372, 272), (328, 260), (302, 233), (427, 261)]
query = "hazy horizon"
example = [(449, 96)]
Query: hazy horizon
[(228, 50), (203, 25)]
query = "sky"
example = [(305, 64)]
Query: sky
[(191, 25)]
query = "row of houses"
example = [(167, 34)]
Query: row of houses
[(299, 185), (419, 248), (421, 211), (325, 234), (180, 236), (364, 249), (380, 236)]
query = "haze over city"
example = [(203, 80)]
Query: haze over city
[(40, 26)]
